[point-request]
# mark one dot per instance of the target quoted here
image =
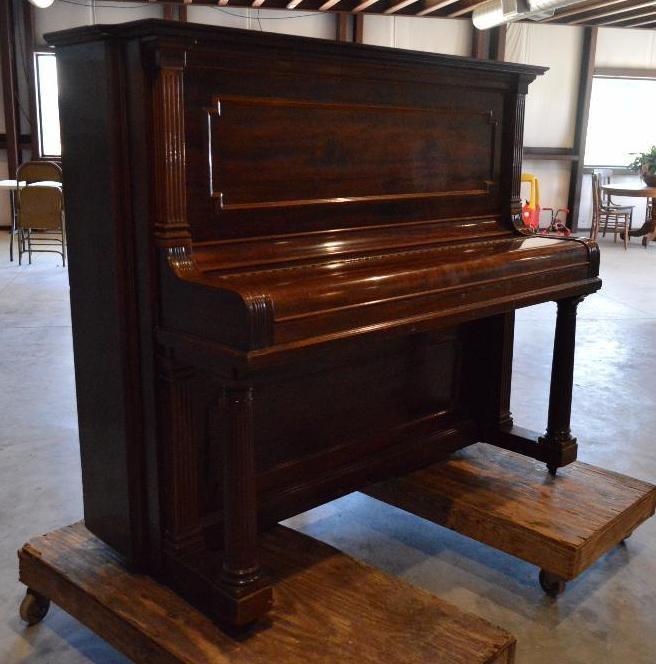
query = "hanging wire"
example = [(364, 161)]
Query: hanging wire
[(121, 5)]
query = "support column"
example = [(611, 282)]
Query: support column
[(182, 531), (349, 27), (9, 85), (559, 444), (588, 54), (240, 565), (248, 593)]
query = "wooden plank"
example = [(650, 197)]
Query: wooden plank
[(557, 154), (328, 608), (625, 72), (562, 524)]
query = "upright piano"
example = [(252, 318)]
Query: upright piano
[(294, 267)]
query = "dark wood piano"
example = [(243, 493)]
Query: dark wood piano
[(294, 266)]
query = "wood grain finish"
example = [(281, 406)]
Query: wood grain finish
[(500, 498), (182, 530), (355, 165), (329, 608), (171, 226), (340, 245)]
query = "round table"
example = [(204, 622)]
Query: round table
[(648, 229)]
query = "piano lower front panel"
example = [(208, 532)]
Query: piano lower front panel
[(322, 433)]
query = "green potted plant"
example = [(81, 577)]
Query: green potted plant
[(645, 164)]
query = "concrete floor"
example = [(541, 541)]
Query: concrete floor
[(608, 614)]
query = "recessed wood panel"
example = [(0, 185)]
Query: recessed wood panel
[(283, 152)]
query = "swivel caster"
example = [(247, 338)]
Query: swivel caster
[(34, 607), (552, 584)]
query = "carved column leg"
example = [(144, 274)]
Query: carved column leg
[(560, 446), (182, 531), (249, 593)]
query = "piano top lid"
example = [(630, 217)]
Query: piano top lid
[(193, 32)]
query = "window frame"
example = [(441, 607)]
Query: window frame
[(617, 74), (38, 105)]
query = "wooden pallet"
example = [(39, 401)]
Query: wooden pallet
[(562, 524), (328, 608)]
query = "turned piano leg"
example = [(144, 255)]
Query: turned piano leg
[(560, 446), (248, 592)]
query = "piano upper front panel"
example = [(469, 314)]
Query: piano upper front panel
[(267, 152), (295, 152)]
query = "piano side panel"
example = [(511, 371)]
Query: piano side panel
[(294, 153), (104, 309)]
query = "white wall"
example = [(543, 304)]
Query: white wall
[(306, 24), (421, 34), (63, 15), (552, 99), (626, 48)]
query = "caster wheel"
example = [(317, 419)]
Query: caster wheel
[(34, 607), (551, 584)]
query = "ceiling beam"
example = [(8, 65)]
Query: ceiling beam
[(581, 10), (435, 6), (633, 17), (329, 4), (613, 12), (398, 6), (365, 4), (469, 7), (644, 24)]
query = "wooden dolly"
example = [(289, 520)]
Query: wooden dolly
[(329, 609), (562, 524)]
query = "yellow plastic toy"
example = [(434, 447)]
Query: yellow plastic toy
[(531, 210)]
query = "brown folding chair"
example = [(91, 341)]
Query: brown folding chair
[(39, 171), (41, 225)]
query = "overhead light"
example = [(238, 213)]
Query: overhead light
[(499, 12), (41, 4)]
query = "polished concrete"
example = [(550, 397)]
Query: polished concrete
[(607, 615)]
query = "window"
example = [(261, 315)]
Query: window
[(47, 108), (621, 120)]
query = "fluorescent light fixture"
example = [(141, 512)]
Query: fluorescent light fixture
[(41, 4)]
